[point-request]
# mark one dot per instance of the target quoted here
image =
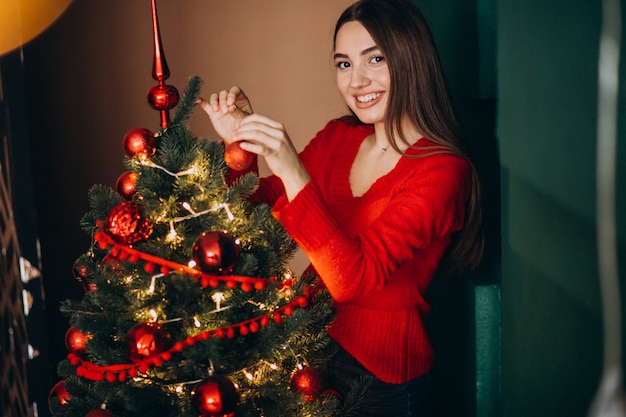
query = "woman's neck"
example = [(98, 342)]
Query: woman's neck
[(380, 140)]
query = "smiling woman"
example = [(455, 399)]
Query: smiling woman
[(23, 20), (381, 201)]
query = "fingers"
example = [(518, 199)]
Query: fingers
[(261, 135), (256, 127), (256, 120), (226, 101), (205, 105)]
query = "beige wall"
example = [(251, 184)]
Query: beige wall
[(94, 69)]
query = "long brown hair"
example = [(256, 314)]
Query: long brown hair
[(418, 92)]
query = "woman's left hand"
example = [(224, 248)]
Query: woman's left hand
[(268, 138)]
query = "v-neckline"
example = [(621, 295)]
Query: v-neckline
[(348, 169), (381, 181)]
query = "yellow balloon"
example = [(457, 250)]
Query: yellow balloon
[(22, 20)]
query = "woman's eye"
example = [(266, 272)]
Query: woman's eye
[(342, 64), (377, 59)]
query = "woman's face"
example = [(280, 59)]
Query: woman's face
[(362, 73)]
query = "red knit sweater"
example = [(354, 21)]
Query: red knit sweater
[(376, 253)]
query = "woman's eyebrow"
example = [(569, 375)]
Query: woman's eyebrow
[(363, 52)]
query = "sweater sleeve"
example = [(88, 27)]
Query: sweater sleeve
[(427, 206), (271, 188)]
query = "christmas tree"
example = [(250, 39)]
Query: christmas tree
[(190, 308)]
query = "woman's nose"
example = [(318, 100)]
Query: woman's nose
[(359, 77)]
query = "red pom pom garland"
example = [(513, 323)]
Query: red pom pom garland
[(140, 365), (112, 373)]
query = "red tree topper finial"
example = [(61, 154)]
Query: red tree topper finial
[(161, 97)]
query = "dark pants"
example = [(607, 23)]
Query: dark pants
[(410, 399)]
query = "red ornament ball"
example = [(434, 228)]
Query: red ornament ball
[(237, 158), (76, 341), (127, 225), (58, 393), (83, 268), (147, 339), (111, 265), (308, 381), (215, 252), (99, 412), (216, 396), (139, 142), (126, 184), (163, 97)]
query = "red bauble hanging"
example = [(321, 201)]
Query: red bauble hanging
[(126, 184), (112, 265), (76, 341), (127, 225), (216, 396), (163, 97), (58, 393), (237, 158), (83, 268), (215, 252), (100, 412), (308, 381), (147, 339), (139, 142)]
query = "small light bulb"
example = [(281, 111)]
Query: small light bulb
[(172, 233), (187, 207), (217, 298), (152, 284)]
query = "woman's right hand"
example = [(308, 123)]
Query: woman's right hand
[(226, 109)]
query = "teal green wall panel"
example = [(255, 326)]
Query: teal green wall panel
[(552, 340), (547, 78), (465, 32), (551, 334), (553, 240), (486, 308)]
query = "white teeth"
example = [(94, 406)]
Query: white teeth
[(368, 97)]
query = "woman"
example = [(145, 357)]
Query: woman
[(379, 200)]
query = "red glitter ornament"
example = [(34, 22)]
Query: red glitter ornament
[(215, 252), (76, 341), (163, 97), (308, 381), (216, 396), (147, 339), (100, 412), (58, 393), (139, 142), (127, 225), (126, 184), (237, 158)]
